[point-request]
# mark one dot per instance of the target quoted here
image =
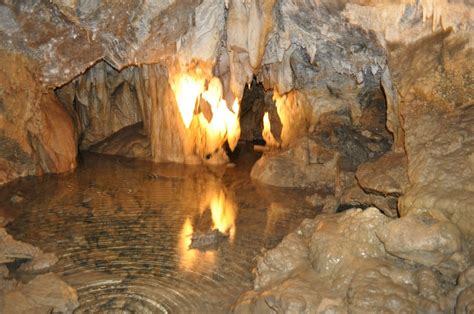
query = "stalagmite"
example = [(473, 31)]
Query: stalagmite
[(356, 197)]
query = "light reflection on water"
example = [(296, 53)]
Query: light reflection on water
[(121, 230)]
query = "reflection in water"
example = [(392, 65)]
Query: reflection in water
[(193, 259), (223, 213), (122, 230)]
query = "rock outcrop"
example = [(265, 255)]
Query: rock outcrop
[(343, 263), (36, 133), (44, 292)]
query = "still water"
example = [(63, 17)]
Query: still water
[(122, 229)]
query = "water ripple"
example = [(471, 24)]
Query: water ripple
[(121, 231)]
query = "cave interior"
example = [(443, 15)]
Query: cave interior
[(242, 156)]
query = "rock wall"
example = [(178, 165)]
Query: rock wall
[(36, 133), (350, 59)]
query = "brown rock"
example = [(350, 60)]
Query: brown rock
[(44, 294), (130, 142), (465, 301), (295, 167), (11, 249), (36, 133), (386, 176)]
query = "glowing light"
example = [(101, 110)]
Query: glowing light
[(267, 132), (223, 214), (224, 123), (193, 260), (292, 117), (233, 125), (186, 91)]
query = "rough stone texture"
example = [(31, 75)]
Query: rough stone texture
[(465, 301), (275, 265), (10, 249), (438, 117), (40, 262), (386, 176), (356, 197), (44, 294), (422, 238), (295, 167), (66, 37), (104, 101), (351, 271), (130, 142), (319, 158), (36, 133)]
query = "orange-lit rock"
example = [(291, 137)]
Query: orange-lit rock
[(37, 134)]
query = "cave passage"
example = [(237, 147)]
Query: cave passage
[(122, 228), (231, 156)]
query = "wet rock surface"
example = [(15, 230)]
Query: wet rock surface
[(333, 76), (36, 133), (422, 238), (320, 158), (30, 288), (343, 265), (122, 231)]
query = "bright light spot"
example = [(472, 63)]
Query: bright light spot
[(186, 90), (223, 214), (224, 125), (267, 132), (193, 260)]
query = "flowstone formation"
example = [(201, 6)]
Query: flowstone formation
[(361, 261), (364, 104)]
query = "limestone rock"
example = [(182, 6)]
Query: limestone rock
[(421, 238), (356, 197), (440, 167), (319, 158), (342, 238), (276, 265), (465, 301), (374, 290), (104, 101), (40, 262), (129, 142), (45, 293), (293, 168), (11, 249), (351, 272), (36, 133), (387, 175), (438, 114)]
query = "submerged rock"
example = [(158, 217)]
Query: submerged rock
[(44, 294)]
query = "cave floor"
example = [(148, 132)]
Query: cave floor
[(122, 228)]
